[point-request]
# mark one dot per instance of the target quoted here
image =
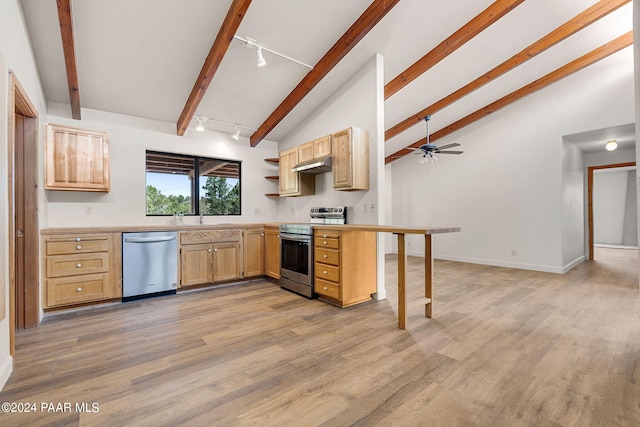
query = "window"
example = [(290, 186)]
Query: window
[(171, 187)]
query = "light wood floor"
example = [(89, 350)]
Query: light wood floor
[(504, 348)]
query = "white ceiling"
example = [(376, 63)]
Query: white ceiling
[(142, 57)]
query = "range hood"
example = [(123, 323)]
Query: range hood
[(315, 166)]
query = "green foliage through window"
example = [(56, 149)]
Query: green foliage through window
[(172, 186)]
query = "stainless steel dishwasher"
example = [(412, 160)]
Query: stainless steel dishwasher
[(149, 264)]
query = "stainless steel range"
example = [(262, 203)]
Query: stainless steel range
[(296, 246)]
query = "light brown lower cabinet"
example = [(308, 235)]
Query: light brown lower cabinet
[(210, 256), (345, 266), (272, 252), (254, 239), (81, 268)]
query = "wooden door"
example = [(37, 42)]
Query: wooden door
[(272, 252), (305, 152), (227, 261), (322, 147), (253, 252), (197, 264), (25, 216)]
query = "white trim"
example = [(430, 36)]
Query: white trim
[(5, 371)]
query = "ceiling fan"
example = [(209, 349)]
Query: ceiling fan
[(428, 149)]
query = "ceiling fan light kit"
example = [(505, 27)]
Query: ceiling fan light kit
[(428, 149)]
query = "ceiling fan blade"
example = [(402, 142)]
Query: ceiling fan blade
[(450, 152), (444, 147)]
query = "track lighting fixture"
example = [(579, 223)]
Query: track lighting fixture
[(251, 43), (261, 61), (236, 135), (611, 145)]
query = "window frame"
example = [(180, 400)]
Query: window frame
[(195, 185)]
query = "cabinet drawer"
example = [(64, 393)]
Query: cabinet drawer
[(327, 272), (73, 290), (328, 242), (327, 256), (77, 246), (322, 287), (74, 265), (327, 234), (210, 236)]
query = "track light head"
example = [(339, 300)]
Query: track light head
[(200, 125), (236, 135), (261, 61)]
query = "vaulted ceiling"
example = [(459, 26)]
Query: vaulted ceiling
[(458, 60)]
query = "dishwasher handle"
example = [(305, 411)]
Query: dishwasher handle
[(149, 239)]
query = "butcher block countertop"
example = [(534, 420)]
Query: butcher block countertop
[(387, 228), (145, 228)]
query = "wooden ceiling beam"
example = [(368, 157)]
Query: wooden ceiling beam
[(584, 19), (360, 28), (230, 25), (65, 17), (584, 61), (490, 15)]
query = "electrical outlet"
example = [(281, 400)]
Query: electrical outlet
[(366, 208), (88, 210), (513, 252), (372, 208)]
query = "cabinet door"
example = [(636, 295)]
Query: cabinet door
[(305, 152), (227, 261), (197, 265), (76, 159), (342, 175), (253, 252), (272, 253), (322, 147), (288, 179)]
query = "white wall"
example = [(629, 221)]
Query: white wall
[(636, 62), (506, 190), (129, 138), (16, 55), (573, 202), (614, 193)]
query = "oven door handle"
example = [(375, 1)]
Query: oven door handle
[(295, 237)]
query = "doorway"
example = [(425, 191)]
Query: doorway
[(24, 300), (590, 209)]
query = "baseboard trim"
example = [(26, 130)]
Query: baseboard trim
[(573, 264), (5, 371), (496, 263)]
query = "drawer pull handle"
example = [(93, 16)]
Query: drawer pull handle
[(78, 265), (209, 250), (77, 239), (79, 247), (324, 272), (261, 234), (324, 242), (326, 289), (79, 290), (324, 256), (324, 236), (215, 250)]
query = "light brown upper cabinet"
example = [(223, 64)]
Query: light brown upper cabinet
[(294, 183), (76, 159), (316, 149), (350, 153)]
